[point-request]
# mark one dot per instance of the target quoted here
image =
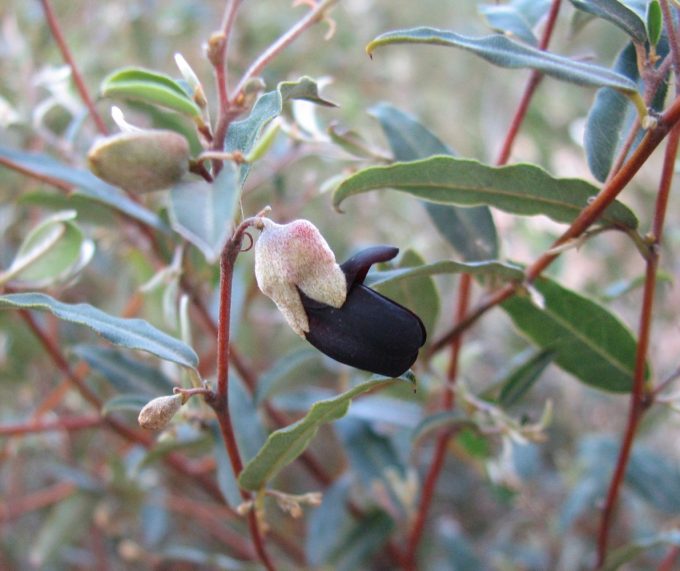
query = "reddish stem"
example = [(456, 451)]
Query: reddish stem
[(72, 423), (13, 508), (668, 563), (640, 397), (68, 58)]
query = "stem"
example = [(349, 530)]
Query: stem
[(55, 29), (219, 400), (72, 423), (640, 396), (15, 508)]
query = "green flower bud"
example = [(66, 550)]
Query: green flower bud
[(141, 161)]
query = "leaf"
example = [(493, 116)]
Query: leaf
[(369, 534), (608, 118), (518, 189), (491, 268), (226, 481), (203, 213), (131, 333), (654, 22), (284, 368), (504, 52), (618, 14), (446, 419), (85, 183), (195, 558), (286, 444), (328, 523), (627, 553), (516, 18), (470, 231), (150, 87), (522, 378), (133, 402), (124, 372), (250, 435), (242, 135), (589, 342), (419, 294), (54, 251)]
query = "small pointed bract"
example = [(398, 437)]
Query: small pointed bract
[(369, 331)]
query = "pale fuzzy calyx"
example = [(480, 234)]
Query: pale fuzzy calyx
[(296, 255)]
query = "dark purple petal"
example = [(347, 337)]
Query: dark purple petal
[(358, 265), (369, 332)]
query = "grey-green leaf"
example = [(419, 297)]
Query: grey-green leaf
[(504, 52), (470, 231), (203, 213), (523, 377), (286, 444), (131, 333), (518, 189), (84, 183), (515, 18), (129, 402), (589, 341), (618, 14)]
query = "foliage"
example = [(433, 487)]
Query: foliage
[(535, 437)]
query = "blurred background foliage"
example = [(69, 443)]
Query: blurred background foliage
[(508, 505)]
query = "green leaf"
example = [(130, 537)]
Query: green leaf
[(85, 184), (286, 444), (328, 523), (419, 294), (226, 481), (589, 342), (203, 213), (654, 22), (522, 378), (188, 557), (618, 14), (131, 333), (250, 435), (489, 268), (242, 135), (470, 231), (504, 52), (133, 402), (446, 419), (150, 87), (125, 373), (518, 189), (284, 368), (54, 251), (627, 553), (369, 534), (516, 18)]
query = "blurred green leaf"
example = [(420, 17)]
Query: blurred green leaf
[(618, 14), (85, 183), (134, 402), (54, 251), (504, 52), (419, 294), (154, 517), (518, 189), (131, 333), (470, 231), (282, 369), (501, 270), (203, 213), (60, 529), (516, 18), (242, 135), (654, 22), (618, 557), (446, 419), (124, 372), (457, 552), (328, 523), (226, 480), (521, 379), (370, 533), (250, 435), (150, 87), (286, 444), (199, 559), (589, 341)]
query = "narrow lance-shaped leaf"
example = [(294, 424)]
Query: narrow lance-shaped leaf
[(470, 231), (517, 19), (622, 555), (522, 378), (589, 342), (504, 52), (131, 333), (518, 189), (84, 183), (286, 444), (616, 12), (150, 87)]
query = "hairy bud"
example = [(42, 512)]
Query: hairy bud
[(141, 161), (158, 412)]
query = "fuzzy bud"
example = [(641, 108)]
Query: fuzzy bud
[(141, 161), (292, 256), (158, 412)]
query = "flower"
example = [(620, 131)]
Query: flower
[(330, 306)]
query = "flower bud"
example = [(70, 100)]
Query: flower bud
[(141, 161), (158, 412), (295, 256)]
